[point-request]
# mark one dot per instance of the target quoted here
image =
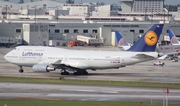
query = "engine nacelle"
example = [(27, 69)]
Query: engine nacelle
[(42, 68)]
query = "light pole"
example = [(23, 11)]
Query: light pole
[(35, 14), (152, 15), (168, 12), (164, 17), (6, 11), (27, 10), (57, 13), (145, 13)]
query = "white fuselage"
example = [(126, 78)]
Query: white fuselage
[(83, 59)]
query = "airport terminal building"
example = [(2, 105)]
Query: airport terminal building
[(142, 5), (59, 23)]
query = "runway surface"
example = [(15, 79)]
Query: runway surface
[(22, 91), (145, 71)]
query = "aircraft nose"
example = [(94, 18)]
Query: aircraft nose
[(5, 57)]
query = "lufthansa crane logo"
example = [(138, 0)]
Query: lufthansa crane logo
[(150, 38)]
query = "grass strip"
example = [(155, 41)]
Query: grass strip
[(89, 82), (75, 103)]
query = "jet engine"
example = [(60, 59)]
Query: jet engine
[(42, 68)]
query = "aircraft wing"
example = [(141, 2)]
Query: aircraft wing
[(70, 64), (74, 64), (57, 63), (142, 56), (121, 48), (67, 64), (124, 48)]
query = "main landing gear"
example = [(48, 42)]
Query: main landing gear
[(21, 69), (76, 72), (64, 72), (80, 72)]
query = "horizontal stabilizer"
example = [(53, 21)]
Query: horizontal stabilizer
[(142, 56), (162, 57)]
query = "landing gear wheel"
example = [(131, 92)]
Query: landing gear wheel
[(80, 72), (21, 70), (64, 72), (85, 72), (76, 73)]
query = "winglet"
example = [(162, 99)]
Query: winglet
[(173, 38), (147, 43)]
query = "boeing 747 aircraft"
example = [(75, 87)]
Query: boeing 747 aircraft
[(46, 59), (122, 43)]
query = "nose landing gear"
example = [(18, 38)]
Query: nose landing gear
[(21, 69)]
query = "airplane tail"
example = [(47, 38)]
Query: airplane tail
[(147, 43), (120, 40), (173, 38)]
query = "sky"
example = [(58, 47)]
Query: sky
[(172, 2)]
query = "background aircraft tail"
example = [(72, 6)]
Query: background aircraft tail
[(147, 43), (173, 38), (120, 40)]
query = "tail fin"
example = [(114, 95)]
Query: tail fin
[(120, 40), (147, 43), (173, 38)]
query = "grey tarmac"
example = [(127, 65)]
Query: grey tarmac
[(22, 91)]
